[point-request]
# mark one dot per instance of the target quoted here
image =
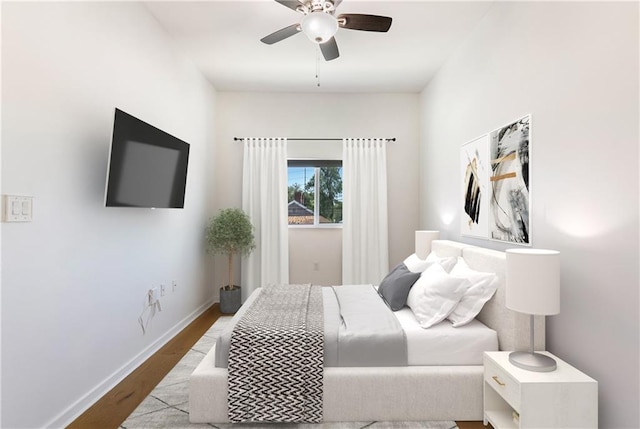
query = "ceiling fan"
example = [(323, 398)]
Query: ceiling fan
[(320, 24)]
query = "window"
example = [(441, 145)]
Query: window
[(315, 192)]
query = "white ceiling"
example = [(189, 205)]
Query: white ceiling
[(223, 40)]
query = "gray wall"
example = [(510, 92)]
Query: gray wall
[(574, 67), (74, 281)]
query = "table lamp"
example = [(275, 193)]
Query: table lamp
[(533, 287), (423, 242)]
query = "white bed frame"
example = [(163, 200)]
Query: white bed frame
[(395, 393)]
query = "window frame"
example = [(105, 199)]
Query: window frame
[(316, 164)]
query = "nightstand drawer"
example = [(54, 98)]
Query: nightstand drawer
[(503, 383), (520, 399)]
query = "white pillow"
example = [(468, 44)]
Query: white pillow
[(434, 295), (417, 265), (481, 288)]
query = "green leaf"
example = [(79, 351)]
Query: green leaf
[(230, 231)]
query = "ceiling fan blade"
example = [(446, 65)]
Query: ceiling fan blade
[(281, 34), (291, 4), (330, 49), (356, 21)]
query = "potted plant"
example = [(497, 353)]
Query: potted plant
[(230, 232)]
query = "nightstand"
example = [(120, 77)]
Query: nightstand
[(520, 399)]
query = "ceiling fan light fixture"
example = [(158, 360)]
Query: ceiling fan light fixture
[(319, 26)]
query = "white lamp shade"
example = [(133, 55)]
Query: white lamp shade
[(423, 242), (533, 281), (319, 26)]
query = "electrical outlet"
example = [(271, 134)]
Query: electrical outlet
[(162, 290)]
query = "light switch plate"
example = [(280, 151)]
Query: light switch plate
[(17, 208)]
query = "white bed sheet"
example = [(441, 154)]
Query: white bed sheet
[(442, 344)]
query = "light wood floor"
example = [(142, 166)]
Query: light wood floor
[(114, 407), (473, 425)]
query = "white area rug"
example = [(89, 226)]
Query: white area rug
[(167, 406)]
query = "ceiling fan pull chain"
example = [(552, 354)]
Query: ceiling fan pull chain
[(318, 67)]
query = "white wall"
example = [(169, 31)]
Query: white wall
[(0, 243), (323, 115), (574, 67), (74, 280), (315, 256)]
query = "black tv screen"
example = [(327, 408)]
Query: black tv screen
[(147, 166)]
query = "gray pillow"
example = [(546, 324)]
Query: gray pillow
[(395, 287)]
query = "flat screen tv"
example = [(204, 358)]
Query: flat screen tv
[(147, 166)]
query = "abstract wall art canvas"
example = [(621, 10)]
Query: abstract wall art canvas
[(495, 184), (474, 160), (509, 206)]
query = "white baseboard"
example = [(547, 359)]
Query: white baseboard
[(81, 405)]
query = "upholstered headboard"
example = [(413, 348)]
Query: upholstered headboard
[(513, 328)]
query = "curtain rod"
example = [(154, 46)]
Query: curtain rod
[(392, 139)]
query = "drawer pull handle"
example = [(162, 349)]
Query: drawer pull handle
[(497, 380)]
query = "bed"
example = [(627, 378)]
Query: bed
[(428, 390)]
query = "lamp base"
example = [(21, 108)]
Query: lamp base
[(532, 361)]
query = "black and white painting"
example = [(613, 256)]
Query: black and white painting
[(509, 182), (474, 160)]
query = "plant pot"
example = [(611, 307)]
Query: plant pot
[(230, 299)]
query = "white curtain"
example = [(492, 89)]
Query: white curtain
[(264, 199), (365, 254)]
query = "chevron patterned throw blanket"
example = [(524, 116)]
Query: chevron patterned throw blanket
[(276, 357)]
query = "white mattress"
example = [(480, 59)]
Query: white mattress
[(442, 344)]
